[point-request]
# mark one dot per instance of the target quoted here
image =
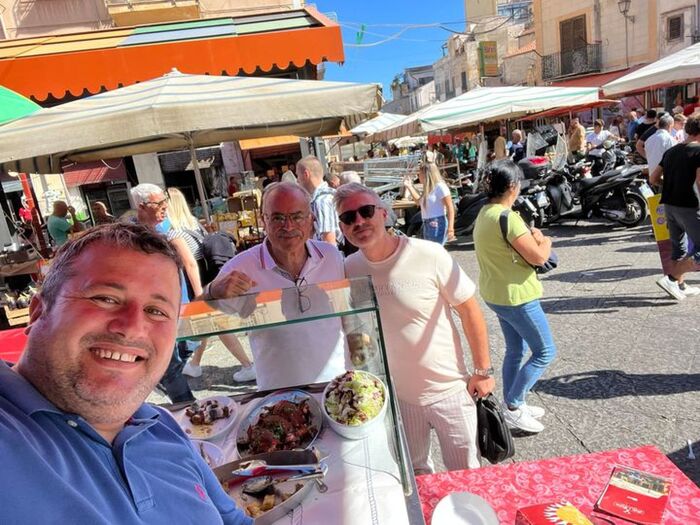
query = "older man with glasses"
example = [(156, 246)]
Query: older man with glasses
[(288, 259)]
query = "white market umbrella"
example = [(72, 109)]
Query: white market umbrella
[(179, 111), (408, 126), (682, 67), (488, 104)]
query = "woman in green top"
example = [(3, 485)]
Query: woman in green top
[(509, 286)]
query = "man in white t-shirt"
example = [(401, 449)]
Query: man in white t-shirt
[(417, 285), (656, 145), (297, 353), (595, 138)]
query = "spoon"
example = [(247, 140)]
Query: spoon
[(262, 483)]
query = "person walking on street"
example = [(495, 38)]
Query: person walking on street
[(680, 173), (661, 141), (310, 177), (419, 287), (509, 285), (436, 207), (577, 139)]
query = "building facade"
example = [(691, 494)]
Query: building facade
[(598, 36), (411, 90), (27, 18)]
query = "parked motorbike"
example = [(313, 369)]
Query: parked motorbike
[(616, 195), (607, 157)]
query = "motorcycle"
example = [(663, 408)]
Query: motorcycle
[(616, 195)]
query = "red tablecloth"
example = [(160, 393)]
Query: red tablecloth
[(579, 479), (12, 344)]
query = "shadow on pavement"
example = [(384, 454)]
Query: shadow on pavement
[(599, 305), (607, 384), (609, 274), (690, 467)]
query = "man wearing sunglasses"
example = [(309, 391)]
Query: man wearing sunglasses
[(301, 353), (418, 285)]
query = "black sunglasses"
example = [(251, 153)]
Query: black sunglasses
[(366, 212)]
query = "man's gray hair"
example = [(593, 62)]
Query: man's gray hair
[(350, 190), (130, 236), (143, 191), (665, 122), (311, 163), (348, 177), (287, 187)]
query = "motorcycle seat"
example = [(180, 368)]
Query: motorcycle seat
[(469, 199)]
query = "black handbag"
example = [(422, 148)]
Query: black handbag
[(495, 441), (551, 263)]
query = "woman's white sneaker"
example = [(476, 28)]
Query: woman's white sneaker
[(523, 420), (245, 374), (192, 370), (536, 412)]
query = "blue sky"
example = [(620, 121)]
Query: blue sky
[(384, 19)]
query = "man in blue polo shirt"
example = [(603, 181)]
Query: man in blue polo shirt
[(78, 444)]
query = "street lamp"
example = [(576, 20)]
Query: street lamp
[(624, 7)]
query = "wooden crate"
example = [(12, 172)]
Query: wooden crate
[(16, 316)]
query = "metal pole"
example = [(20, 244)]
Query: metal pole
[(627, 44), (198, 178)]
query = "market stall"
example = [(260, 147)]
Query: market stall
[(360, 457), (179, 111), (679, 68), (486, 104)]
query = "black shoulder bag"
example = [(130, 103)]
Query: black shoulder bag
[(495, 441), (548, 266)]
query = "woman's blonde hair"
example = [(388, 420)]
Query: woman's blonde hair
[(431, 176), (179, 212)]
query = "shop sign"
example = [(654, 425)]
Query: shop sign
[(488, 58)]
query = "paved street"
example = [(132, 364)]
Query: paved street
[(628, 368)]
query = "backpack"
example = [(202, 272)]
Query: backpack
[(217, 249)]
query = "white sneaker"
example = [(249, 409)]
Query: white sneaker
[(536, 412), (192, 370), (690, 291), (671, 288), (521, 419), (245, 374)]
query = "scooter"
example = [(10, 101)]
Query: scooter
[(615, 196)]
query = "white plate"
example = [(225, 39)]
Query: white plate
[(214, 453), (463, 508), (217, 428)]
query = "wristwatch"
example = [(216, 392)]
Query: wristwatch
[(484, 372)]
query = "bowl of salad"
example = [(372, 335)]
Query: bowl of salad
[(354, 403)]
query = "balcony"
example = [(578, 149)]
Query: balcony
[(586, 59), (136, 12)]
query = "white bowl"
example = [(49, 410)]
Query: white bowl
[(357, 431)]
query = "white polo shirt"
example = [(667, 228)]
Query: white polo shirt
[(655, 147), (296, 353)]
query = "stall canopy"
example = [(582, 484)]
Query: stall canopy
[(13, 105), (558, 112), (487, 104), (406, 127), (379, 122), (179, 111), (679, 68), (76, 65)]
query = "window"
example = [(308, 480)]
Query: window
[(675, 27), (572, 34), (464, 81)]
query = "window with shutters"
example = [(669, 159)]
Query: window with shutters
[(573, 42), (464, 81), (675, 27)]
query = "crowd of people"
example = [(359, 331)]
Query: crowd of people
[(79, 388)]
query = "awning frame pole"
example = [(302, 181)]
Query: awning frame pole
[(198, 178)]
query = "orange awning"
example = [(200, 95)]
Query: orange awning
[(595, 80), (267, 142), (62, 65)]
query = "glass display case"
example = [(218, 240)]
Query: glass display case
[(301, 338)]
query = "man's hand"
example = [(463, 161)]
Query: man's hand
[(71, 210), (480, 386), (230, 285)]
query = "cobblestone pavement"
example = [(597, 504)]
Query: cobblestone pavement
[(628, 368)]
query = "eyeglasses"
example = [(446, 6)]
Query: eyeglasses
[(304, 300), (280, 219), (158, 204), (366, 212)]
